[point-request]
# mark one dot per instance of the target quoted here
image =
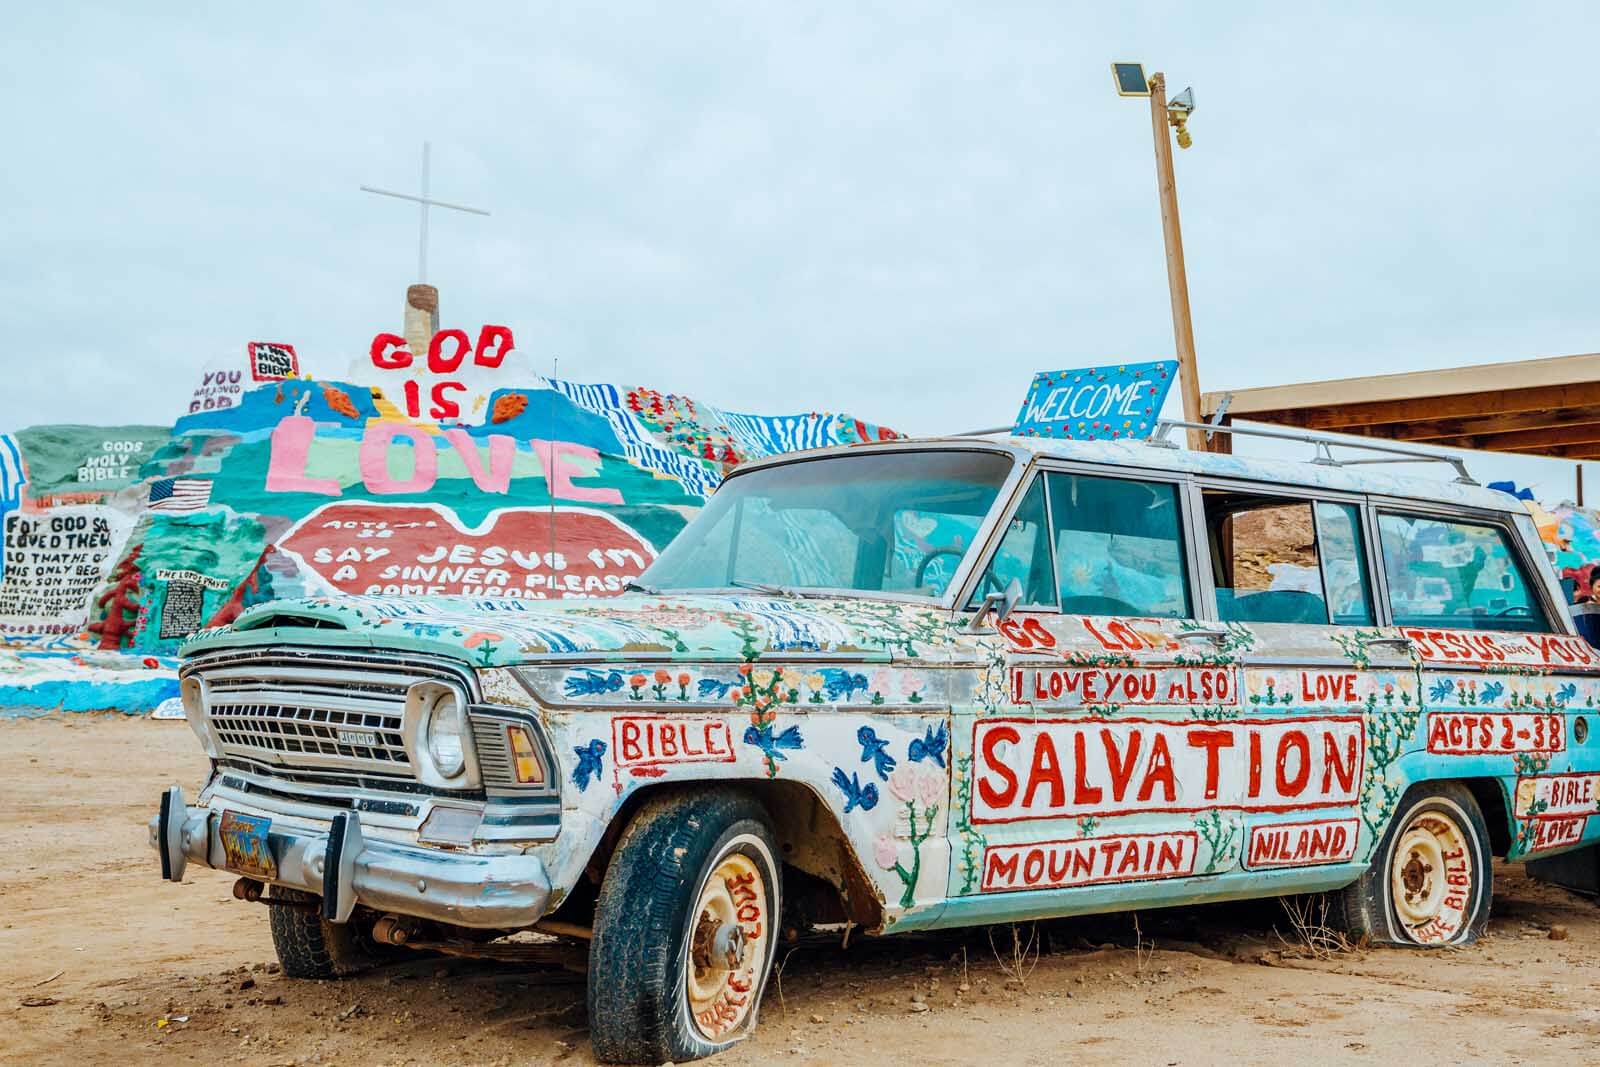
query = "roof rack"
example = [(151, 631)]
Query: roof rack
[(1324, 456)]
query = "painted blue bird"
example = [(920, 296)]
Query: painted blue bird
[(771, 745), (589, 763), (713, 688), (856, 795), (1442, 689), (1566, 692), (589, 683), (931, 746), (842, 683), (875, 750), (424, 629), (1492, 692)]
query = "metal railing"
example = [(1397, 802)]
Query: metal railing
[(1323, 445), (1159, 438)]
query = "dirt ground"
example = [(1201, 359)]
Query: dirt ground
[(100, 961)]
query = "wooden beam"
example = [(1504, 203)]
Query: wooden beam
[(1358, 418), (1525, 440), (1223, 442), (1575, 452), (1530, 420), (1253, 404)]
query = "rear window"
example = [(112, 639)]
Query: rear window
[(1277, 559), (1452, 574)]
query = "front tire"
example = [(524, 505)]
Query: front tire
[(309, 946), (685, 929), (1431, 879)]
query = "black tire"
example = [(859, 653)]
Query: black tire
[(1434, 821), (649, 912), (309, 946)]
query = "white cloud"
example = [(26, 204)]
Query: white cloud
[(902, 213)]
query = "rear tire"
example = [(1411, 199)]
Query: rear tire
[(685, 929), (1431, 880), (309, 946)]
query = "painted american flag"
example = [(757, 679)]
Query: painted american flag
[(13, 475), (180, 494)]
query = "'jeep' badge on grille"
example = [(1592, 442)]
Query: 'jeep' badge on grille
[(365, 738)]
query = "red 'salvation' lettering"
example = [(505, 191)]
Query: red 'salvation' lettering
[(1050, 768)]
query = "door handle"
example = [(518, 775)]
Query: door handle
[(1214, 636), (1401, 643)]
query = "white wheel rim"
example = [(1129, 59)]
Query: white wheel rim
[(727, 945), (1431, 878)]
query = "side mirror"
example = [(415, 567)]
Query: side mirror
[(999, 605)]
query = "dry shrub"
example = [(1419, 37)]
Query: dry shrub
[(1309, 931), (1018, 960)]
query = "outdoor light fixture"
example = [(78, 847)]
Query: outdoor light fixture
[(1130, 79), (1179, 108)]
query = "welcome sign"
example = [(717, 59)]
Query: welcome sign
[(1118, 401)]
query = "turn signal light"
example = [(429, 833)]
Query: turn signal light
[(524, 756)]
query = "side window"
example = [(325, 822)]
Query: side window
[(1282, 560), (1119, 546), (1456, 575), (1024, 555)]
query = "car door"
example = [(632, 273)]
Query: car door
[(1328, 694), (1094, 758), (1508, 692)]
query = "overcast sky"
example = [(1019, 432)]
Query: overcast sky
[(901, 212)]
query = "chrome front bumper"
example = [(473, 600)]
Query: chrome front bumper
[(501, 891)]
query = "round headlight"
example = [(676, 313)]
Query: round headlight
[(446, 724)]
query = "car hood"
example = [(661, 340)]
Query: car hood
[(492, 633)]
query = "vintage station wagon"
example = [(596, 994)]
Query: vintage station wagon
[(906, 686)]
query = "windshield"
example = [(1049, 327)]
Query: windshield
[(874, 522)]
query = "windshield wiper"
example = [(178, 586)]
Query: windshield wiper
[(765, 587), (640, 587)]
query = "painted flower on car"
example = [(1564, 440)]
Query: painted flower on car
[(903, 783), (886, 852)]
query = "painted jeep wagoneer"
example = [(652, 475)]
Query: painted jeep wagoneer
[(904, 686)]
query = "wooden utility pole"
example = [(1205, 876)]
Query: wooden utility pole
[(1177, 278)]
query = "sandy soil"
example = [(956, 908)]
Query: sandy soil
[(116, 965)]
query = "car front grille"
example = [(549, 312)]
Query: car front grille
[(350, 735), (304, 709)]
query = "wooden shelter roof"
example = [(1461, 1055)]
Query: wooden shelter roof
[(1542, 407)]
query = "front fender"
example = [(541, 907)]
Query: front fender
[(882, 775)]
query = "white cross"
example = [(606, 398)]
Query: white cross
[(426, 203)]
